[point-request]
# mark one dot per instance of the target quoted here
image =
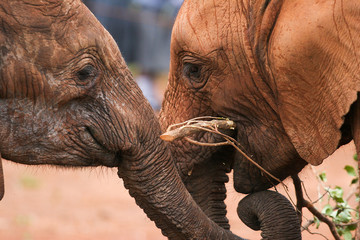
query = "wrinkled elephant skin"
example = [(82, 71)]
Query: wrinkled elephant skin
[(287, 72), (67, 98), (284, 223)]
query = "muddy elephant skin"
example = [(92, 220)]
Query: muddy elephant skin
[(67, 98), (285, 71)]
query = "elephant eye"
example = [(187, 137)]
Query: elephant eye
[(193, 73), (86, 74)]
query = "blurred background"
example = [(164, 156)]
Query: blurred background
[(142, 30), (43, 203)]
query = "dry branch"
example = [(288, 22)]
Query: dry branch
[(183, 130), (301, 202), (196, 125), (191, 127)]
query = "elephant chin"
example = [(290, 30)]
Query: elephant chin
[(248, 178)]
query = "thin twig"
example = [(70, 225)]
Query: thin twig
[(307, 225), (321, 183), (306, 193), (194, 125), (316, 233), (233, 143), (304, 203), (347, 224), (206, 144), (322, 218), (299, 195)]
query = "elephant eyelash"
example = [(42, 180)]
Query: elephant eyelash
[(195, 74), (192, 71), (86, 74), (87, 70), (195, 70)]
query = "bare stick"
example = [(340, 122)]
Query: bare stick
[(315, 233), (195, 125), (307, 225), (206, 144), (210, 126), (192, 126), (322, 218), (299, 195)]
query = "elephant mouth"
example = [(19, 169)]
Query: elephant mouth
[(107, 156)]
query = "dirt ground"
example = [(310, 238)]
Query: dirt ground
[(43, 203)]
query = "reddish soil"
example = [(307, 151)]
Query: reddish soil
[(43, 203)]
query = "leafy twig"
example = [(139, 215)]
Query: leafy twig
[(301, 202)]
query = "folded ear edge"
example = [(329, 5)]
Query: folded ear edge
[(330, 133)]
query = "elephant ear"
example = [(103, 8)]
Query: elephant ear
[(313, 116), (316, 73)]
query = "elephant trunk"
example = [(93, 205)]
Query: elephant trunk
[(271, 213), (157, 188), (132, 136), (206, 184)]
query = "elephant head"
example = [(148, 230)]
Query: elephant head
[(67, 98), (285, 71)]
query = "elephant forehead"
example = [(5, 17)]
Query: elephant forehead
[(50, 33), (38, 14), (202, 26)]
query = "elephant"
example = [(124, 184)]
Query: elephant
[(286, 73), (68, 99)]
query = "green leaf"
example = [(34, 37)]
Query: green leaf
[(334, 214), (355, 157), (355, 180), (317, 222), (337, 194), (327, 210), (351, 227), (350, 170), (347, 235), (322, 176), (344, 216)]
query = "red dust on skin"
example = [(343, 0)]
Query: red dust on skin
[(288, 87)]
